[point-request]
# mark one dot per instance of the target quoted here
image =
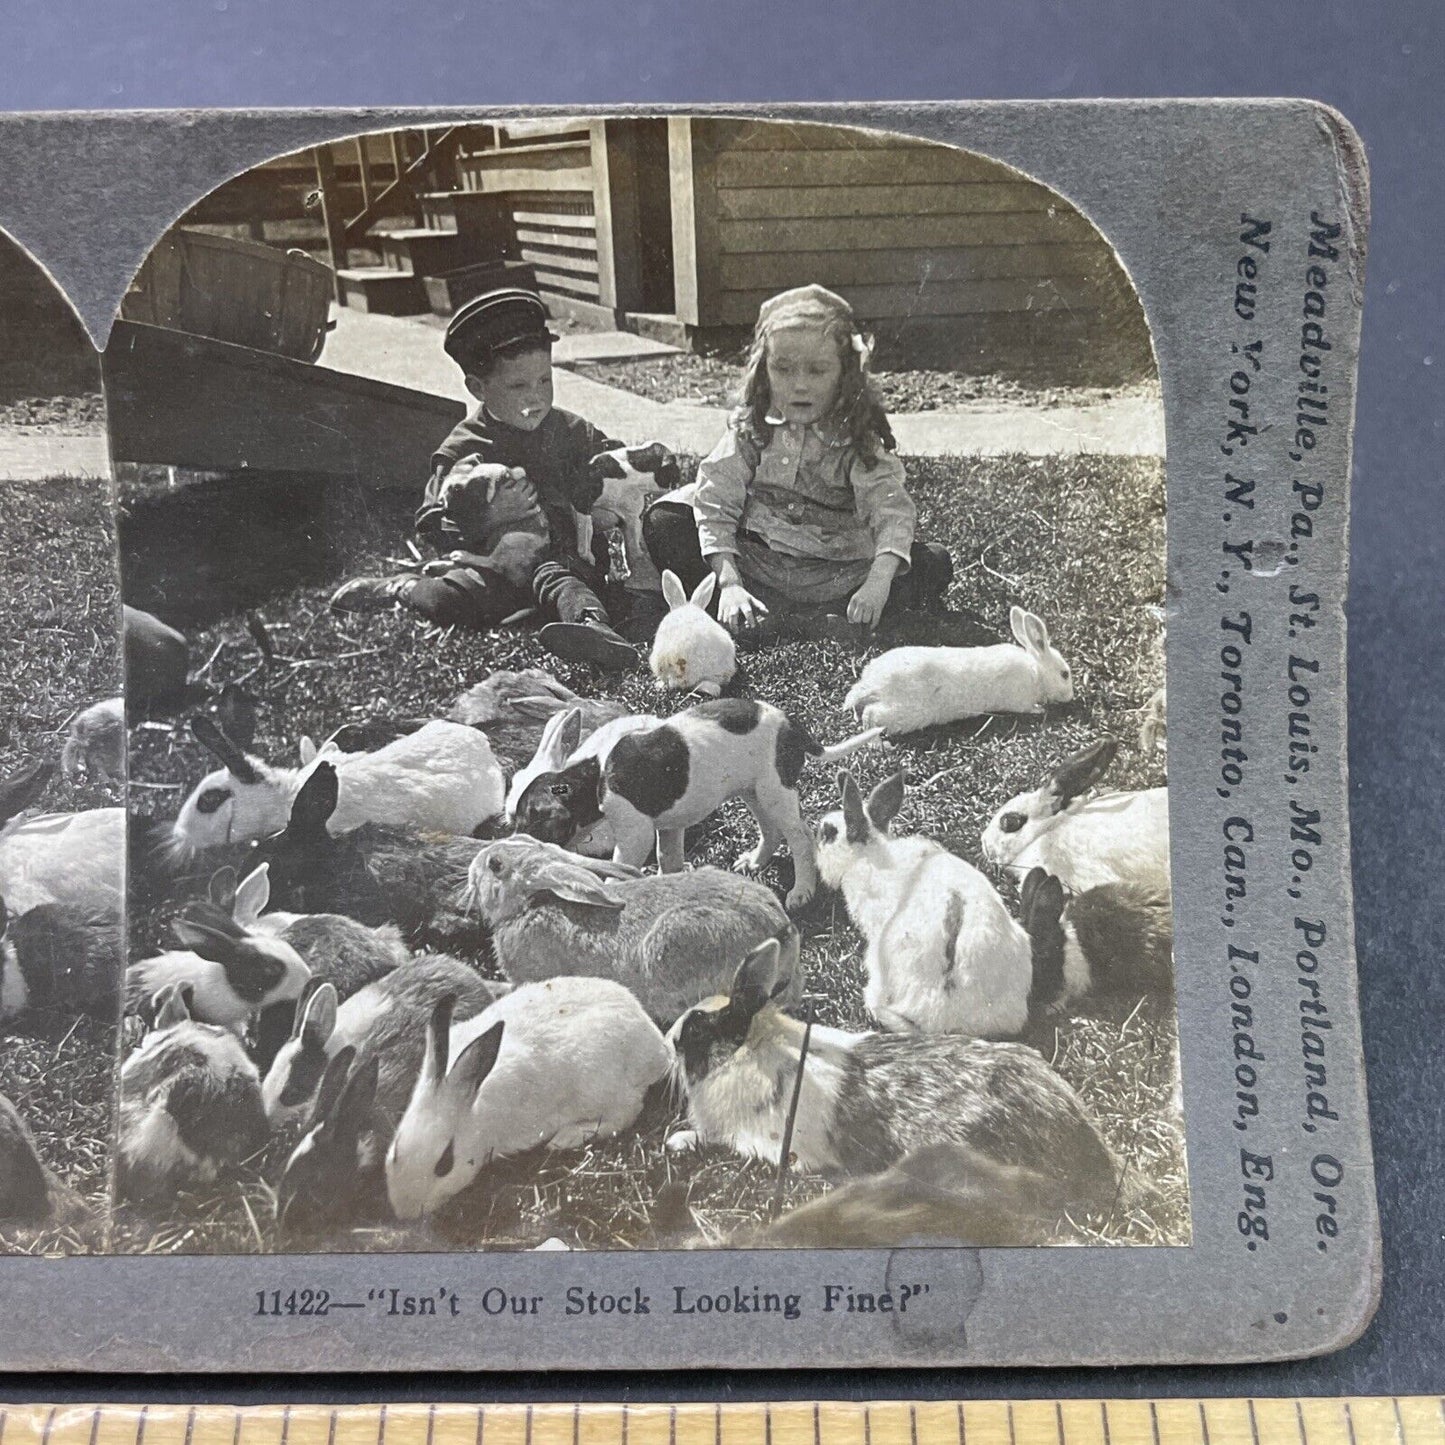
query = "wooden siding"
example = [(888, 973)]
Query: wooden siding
[(916, 235)]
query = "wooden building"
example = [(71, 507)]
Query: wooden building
[(680, 227)]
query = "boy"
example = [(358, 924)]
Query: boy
[(514, 537)]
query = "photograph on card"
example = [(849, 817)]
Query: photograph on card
[(666, 746), (62, 776)]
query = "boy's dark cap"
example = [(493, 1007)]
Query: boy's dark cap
[(493, 321)]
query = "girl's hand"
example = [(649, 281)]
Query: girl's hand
[(866, 605), (737, 607)]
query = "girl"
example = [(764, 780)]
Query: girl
[(802, 502)]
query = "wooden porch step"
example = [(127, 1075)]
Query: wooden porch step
[(447, 292), (472, 213), (424, 251), (383, 290)]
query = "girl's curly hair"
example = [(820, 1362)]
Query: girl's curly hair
[(859, 409)]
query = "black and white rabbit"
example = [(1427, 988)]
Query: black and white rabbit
[(335, 1176), (1108, 939), (52, 961), (867, 1100), (944, 953), (190, 1105), (386, 1019)]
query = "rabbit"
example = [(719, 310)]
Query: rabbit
[(657, 782), (335, 948), (1083, 842), (190, 1105), (631, 478), (671, 939), (944, 955), (1108, 939), (29, 1192), (556, 1063), (376, 875), (692, 652), (95, 745), (334, 1174), (868, 1100), (513, 709), (76, 860), (52, 961), (155, 661), (909, 688), (541, 791), (386, 1019), (443, 776), (943, 1193), (231, 972)]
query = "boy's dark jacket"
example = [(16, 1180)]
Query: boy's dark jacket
[(556, 458)]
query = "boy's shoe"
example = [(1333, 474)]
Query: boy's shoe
[(645, 610), (372, 594), (591, 641)]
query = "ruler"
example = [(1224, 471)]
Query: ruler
[(1362, 1421)]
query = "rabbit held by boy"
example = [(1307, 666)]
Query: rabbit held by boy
[(671, 938), (866, 1100), (944, 955), (910, 688)]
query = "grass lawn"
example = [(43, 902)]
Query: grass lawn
[(1079, 540), (61, 611)]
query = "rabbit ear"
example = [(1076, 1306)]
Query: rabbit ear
[(855, 818), (672, 590), (702, 593), (315, 803), (252, 895), (555, 877), (438, 1041), (475, 1061), (1036, 635), (353, 1109), (224, 750), (333, 1081), (222, 888), (308, 750), (1076, 775), (1016, 617), (22, 788), (756, 977), (236, 711), (886, 801), (172, 1006), (318, 1017)]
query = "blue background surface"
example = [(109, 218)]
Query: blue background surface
[(1379, 63)]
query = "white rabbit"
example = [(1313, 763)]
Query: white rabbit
[(1083, 842), (867, 1100), (909, 688), (671, 938), (1111, 938), (944, 955), (442, 777), (385, 1020), (533, 798), (555, 1063), (190, 1105), (76, 860), (692, 652), (230, 974), (95, 745)]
